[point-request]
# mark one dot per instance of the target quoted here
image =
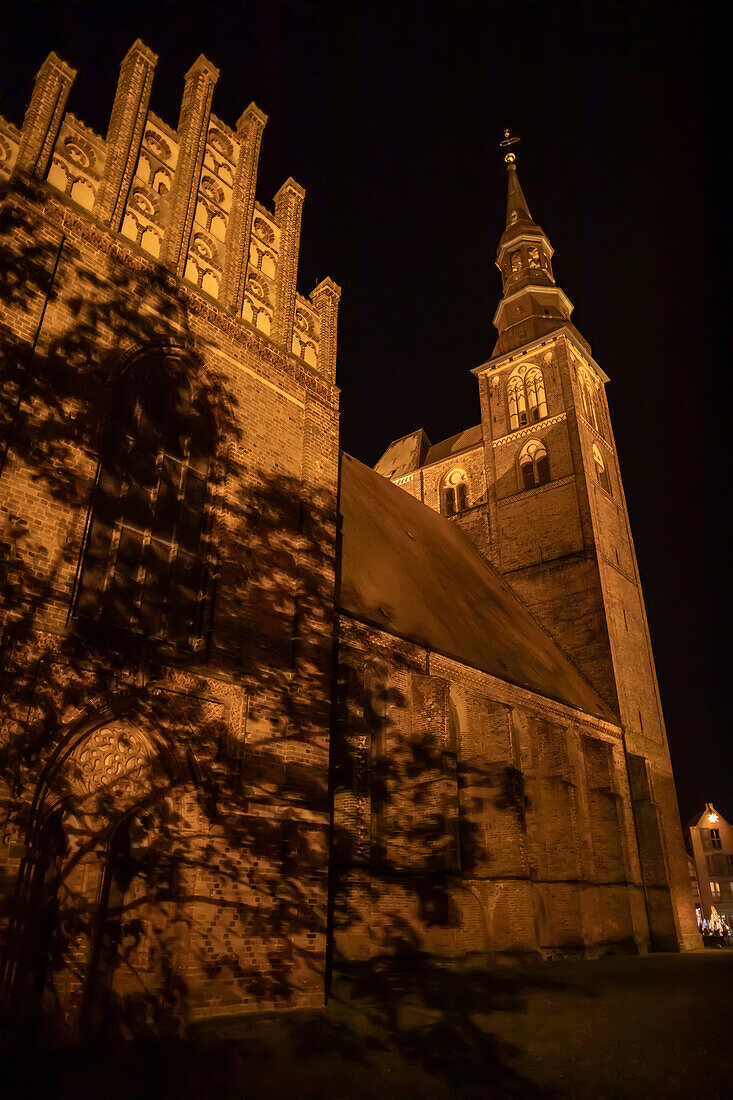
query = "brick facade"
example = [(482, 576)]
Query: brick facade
[(172, 803), (212, 756), (538, 852), (564, 543)]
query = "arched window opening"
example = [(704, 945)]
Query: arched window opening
[(454, 493), (536, 399), (593, 414), (592, 402), (517, 403), (533, 465), (601, 472), (527, 398), (589, 405), (144, 566)]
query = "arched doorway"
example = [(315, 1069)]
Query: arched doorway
[(100, 883)]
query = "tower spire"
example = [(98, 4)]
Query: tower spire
[(532, 304), (516, 204)]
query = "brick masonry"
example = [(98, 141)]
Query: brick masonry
[(565, 546), (239, 725), (468, 815)]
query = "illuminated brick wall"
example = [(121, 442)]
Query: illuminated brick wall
[(215, 758), (537, 851)]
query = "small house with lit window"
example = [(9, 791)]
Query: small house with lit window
[(711, 841)]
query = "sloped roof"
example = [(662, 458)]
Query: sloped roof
[(462, 441), (409, 571), (404, 455), (697, 820)]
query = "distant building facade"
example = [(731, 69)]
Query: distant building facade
[(711, 842), (250, 722)]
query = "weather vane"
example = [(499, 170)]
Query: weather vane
[(509, 157)]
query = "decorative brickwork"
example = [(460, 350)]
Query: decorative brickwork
[(178, 791), (125, 134), (44, 116), (288, 214), (193, 128), (249, 131), (201, 720)]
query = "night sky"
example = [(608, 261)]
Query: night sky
[(390, 116)]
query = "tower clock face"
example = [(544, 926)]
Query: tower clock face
[(534, 257)]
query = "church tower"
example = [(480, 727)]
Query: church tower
[(558, 531)]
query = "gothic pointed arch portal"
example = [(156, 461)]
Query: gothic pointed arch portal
[(98, 929)]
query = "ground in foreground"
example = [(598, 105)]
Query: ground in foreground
[(658, 1026)]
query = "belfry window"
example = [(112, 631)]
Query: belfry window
[(527, 398), (534, 256), (533, 465), (516, 260), (535, 390), (144, 567), (454, 493), (589, 405), (601, 472)]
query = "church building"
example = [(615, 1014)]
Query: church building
[(265, 709)]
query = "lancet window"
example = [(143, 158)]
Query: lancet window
[(601, 472), (589, 403), (144, 567), (454, 493), (527, 398), (534, 467)]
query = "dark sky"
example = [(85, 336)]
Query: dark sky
[(390, 116)]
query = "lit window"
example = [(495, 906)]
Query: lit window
[(517, 404), (533, 465), (526, 397), (601, 472), (144, 565), (715, 889), (535, 390), (454, 493)]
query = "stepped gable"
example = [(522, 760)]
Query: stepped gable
[(414, 574)]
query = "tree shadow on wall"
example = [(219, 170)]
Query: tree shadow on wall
[(166, 795), (165, 798)]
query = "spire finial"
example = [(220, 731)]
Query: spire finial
[(509, 157)]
